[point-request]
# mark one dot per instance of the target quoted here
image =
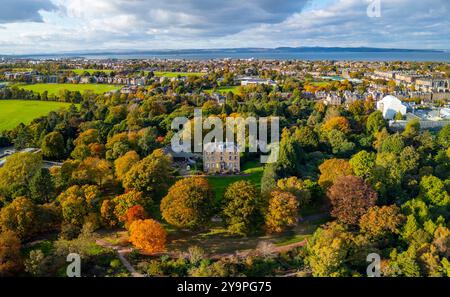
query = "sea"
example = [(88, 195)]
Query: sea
[(307, 55)]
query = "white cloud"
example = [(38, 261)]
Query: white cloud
[(70, 25)]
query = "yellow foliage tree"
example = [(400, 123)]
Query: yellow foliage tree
[(331, 169), (123, 164), (336, 123), (282, 212)]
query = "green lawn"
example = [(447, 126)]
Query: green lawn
[(91, 71), (251, 171), (56, 88), (225, 90), (176, 74), (14, 112)]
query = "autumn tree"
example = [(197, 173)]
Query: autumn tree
[(381, 223), (10, 256), (242, 208), (331, 169), (152, 175), (189, 203), (93, 170), (124, 202), (17, 172), (336, 123), (77, 202), (350, 197), (123, 164), (328, 251), (300, 189), (20, 216), (148, 235), (282, 212), (134, 213), (53, 146)]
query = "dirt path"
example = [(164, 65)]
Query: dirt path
[(121, 253)]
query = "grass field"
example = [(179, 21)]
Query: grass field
[(251, 171), (176, 74), (14, 112), (225, 90), (90, 71), (56, 88)]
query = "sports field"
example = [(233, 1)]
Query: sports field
[(225, 90), (56, 88), (91, 71), (176, 74), (14, 112)]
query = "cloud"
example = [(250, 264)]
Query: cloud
[(23, 10), (70, 25)]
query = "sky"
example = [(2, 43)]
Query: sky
[(51, 26)]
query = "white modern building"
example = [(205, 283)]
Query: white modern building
[(390, 106)]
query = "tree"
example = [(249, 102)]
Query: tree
[(350, 197), (134, 213), (42, 186), (188, 203), (242, 208), (328, 250), (124, 202), (331, 169), (443, 138), (87, 137), (77, 202), (53, 146), (288, 163), (93, 170), (296, 187), (381, 223), (10, 256), (282, 212), (362, 164), (269, 178), (18, 170), (148, 235), (375, 122), (152, 175), (432, 191), (306, 138), (393, 144), (398, 116), (412, 129), (336, 123), (20, 216), (123, 164), (339, 143)]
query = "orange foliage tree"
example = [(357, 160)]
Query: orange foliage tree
[(134, 213), (148, 235)]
